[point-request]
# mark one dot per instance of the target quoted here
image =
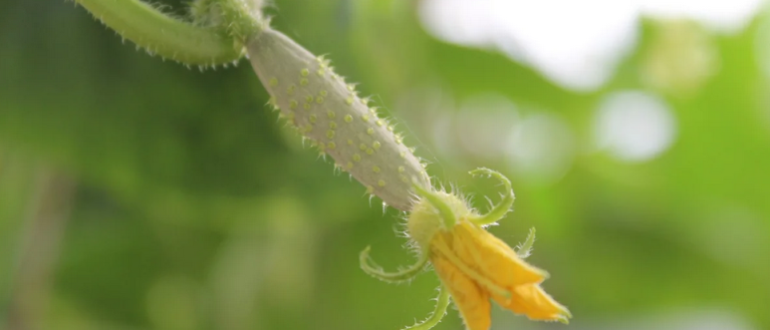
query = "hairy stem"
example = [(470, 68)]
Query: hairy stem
[(164, 35), (442, 302), (403, 275), (525, 249), (501, 209)]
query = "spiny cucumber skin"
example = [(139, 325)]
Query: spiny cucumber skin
[(327, 111)]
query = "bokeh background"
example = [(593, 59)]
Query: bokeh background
[(140, 194)]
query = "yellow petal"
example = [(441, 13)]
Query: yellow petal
[(472, 301), (533, 302), (492, 257)]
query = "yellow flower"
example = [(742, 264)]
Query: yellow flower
[(476, 266), (473, 265)]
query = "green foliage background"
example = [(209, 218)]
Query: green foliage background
[(195, 209)]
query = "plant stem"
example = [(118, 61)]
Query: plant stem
[(442, 302), (164, 35)]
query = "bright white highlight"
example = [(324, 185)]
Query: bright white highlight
[(720, 15), (634, 126), (575, 43)]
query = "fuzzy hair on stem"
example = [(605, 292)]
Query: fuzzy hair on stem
[(161, 34)]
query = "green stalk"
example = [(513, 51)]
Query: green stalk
[(166, 36), (442, 302)]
